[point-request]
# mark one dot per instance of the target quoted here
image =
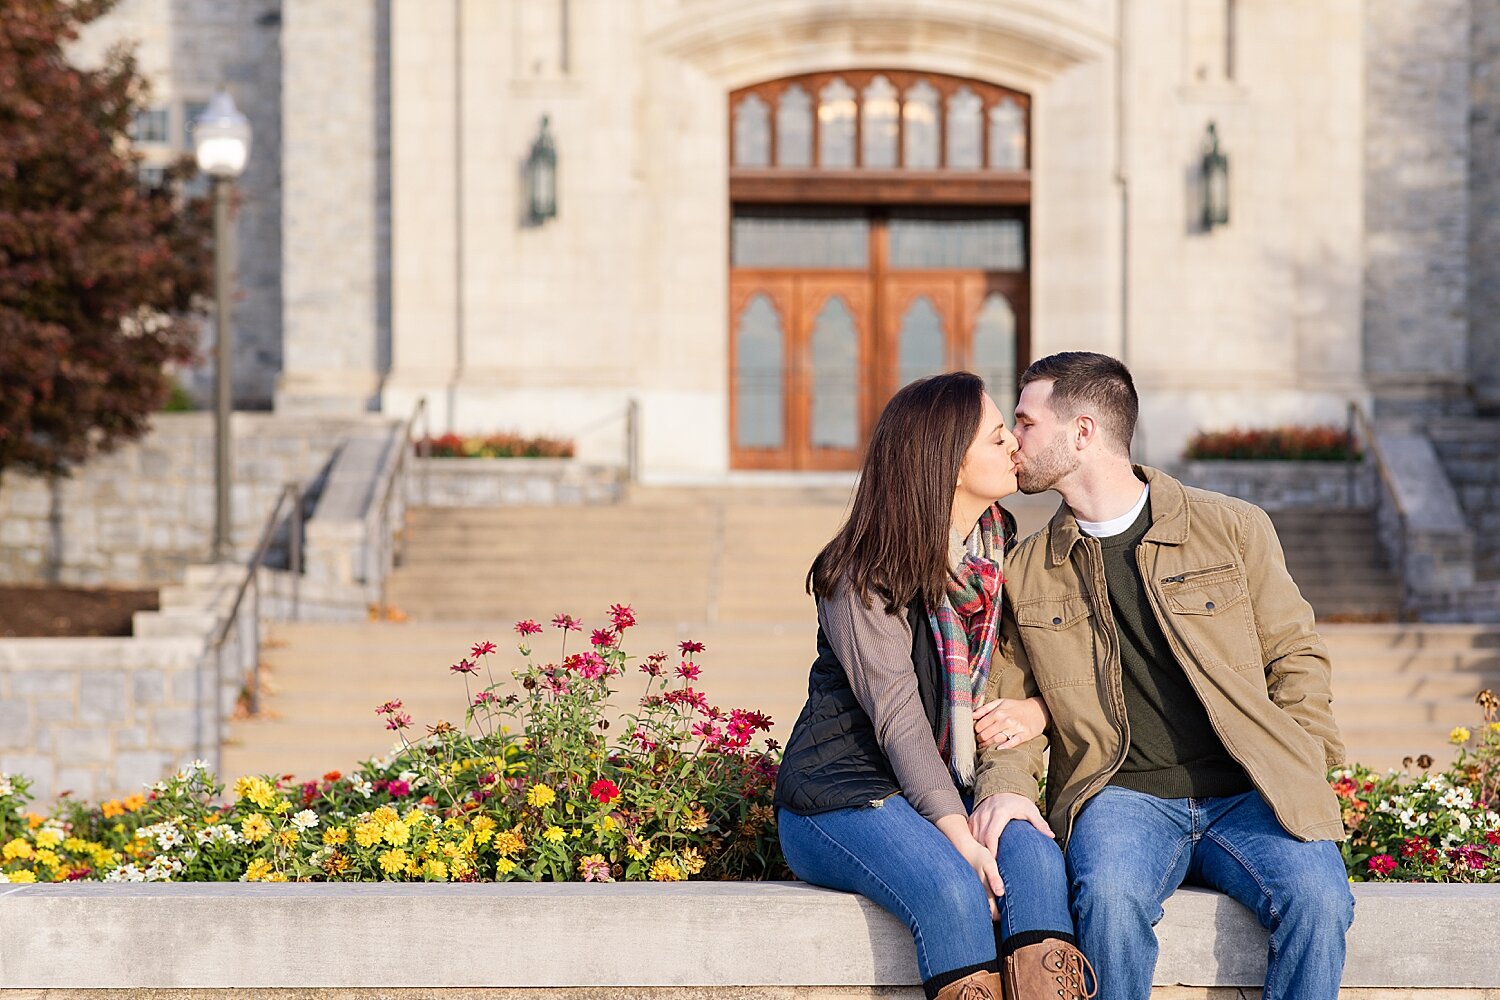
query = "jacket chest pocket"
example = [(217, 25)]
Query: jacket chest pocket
[(1059, 639), (1210, 610)]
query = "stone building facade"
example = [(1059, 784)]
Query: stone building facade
[(387, 252)]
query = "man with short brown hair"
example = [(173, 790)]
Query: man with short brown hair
[(1191, 727)]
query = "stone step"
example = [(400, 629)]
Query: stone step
[(1430, 713), (1412, 637)]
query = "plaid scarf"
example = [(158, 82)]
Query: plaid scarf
[(964, 624)]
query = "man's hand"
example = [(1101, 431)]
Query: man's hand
[(1008, 722), (957, 832), (988, 820)]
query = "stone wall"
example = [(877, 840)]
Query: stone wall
[(503, 482), (141, 514), (1284, 485), (1417, 235), (1470, 453), (1484, 205)]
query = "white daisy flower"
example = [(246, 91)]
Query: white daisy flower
[(305, 820)]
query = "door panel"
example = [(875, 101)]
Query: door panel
[(761, 317)]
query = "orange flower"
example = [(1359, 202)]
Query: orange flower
[(112, 808), (134, 802)]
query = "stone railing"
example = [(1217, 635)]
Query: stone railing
[(504, 482), (689, 940)]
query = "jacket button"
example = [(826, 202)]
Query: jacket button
[(1209, 605), (1057, 621)]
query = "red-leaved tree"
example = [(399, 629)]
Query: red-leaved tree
[(98, 278)]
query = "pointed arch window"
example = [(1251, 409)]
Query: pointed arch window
[(869, 135)]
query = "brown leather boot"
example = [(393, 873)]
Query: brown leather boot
[(1049, 970), (974, 986)]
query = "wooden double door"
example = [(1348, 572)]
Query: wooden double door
[(816, 353)]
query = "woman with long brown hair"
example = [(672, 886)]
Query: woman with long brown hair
[(874, 789)]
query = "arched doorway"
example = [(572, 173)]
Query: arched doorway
[(879, 233)]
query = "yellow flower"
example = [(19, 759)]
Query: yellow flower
[(286, 838), (258, 870), (692, 861), (48, 858), (607, 825), (22, 877), (1459, 735), (697, 819), (435, 870), (77, 845), (367, 834), (17, 848), (281, 807), (134, 803), (385, 816), (554, 834), (663, 870), (1495, 727), (509, 842), (276, 877), (257, 790), (49, 838), (540, 796), (638, 852), (255, 828), (394, 861), (397, 833), (504, 866), (484, 829), (335, 836)]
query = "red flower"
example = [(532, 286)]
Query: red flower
[(481, 648), (621, 616), (602, 637), (1493, 838), (465, 667), (391, 706), (604, 790), (333, 776), (528, 627), (690, 647), (398, 789), (643, 741), (651, 667), (688, 670), (567, 623), (484, 698)]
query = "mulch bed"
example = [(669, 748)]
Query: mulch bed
[(70, 611)]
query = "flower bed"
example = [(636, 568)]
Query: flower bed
[(1290, 444), (494, 446), (532, 787)]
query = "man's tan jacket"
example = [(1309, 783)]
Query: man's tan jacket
[(1218, 584)]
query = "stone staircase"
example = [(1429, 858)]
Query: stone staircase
[(725, 567), (1469, 449), (1334, 554)]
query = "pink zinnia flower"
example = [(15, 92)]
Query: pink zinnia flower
[(398, 789), (688, 670), (484, 698), (604, 790), (528, 627), (602, 637), (398, 720), (622, 616), (465, 667), (595, 870), (643, 741), (567, 623), (1382, 864), (481, 648), (690, 647), (391, 706)]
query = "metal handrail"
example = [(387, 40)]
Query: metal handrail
[(252, 567), (388, 488)]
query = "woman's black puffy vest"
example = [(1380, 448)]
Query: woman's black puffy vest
[(833, 760)]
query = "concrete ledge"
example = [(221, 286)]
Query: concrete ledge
[(777, 934)]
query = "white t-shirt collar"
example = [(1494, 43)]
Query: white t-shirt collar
[(1115, 525)]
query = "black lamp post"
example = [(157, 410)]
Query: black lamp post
[(541, 177), (1215, 169)]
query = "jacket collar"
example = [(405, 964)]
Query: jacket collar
[(1169, 517)]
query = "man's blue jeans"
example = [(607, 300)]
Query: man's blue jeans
[(1129, 851), (894, 856)]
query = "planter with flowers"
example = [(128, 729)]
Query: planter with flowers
[(505, 469), (1281, 467)]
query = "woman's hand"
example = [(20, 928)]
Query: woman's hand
[(1008, 722), (956, 828)]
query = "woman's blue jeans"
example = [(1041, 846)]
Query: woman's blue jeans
[(898, 859)]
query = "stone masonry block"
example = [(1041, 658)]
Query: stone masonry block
[(149, 687), (43, 682), (101, 697), (36, 767), (55, 709), (130, 738), (175, 728), (16, 731), (78, 745), (82, 783), (135, 769), (187, 687)]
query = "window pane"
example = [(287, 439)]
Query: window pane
[(794, 128), (836, 125), (921, 339), (956, 238), (921, 122), (995, 351), (803, 238), (835, 368), (190, 112), (752, 133), (878, 132), (759, 415), (150, 125), (964, 128), (1007, 136)]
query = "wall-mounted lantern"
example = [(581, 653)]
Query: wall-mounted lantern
[(1215, 168), (541, 177)]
